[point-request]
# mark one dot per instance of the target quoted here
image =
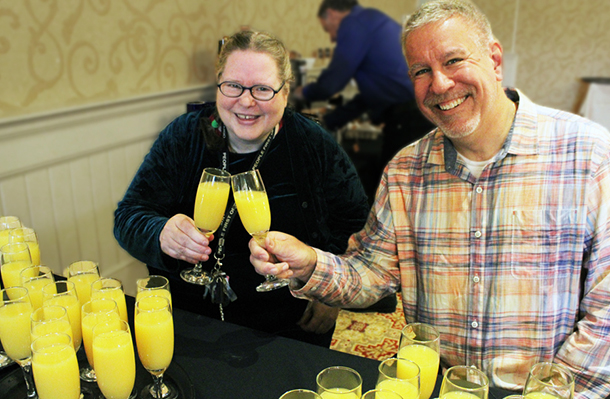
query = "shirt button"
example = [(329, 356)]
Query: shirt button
[(479, 190), (478, 234), (476, 279), (474, 324), (304, 204)]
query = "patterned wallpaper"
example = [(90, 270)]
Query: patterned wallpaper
[(63, 53)]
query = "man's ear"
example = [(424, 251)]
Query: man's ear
[(497, 54)]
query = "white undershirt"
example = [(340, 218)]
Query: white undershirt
[(475, 167)]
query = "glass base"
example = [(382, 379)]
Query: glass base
[(168, 391), (87, 374), (272, 283), (195, 277), (4, 359)]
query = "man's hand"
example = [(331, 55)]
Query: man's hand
[(181, 239), (283, 256), (318, 318)]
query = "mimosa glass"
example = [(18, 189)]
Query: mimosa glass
[(83, 273), (34, 278), (28, 236), (15, 312), (153, 285), (210, 205), (420, 343), (400, 376), (300, 394), (464, 382), (55, 367), (63, 293), (7, 223), (115, 364), (253, 207), (49, 320), (96, 311), (549, 381), (108, 287), (339, 382), (14, 258), (154, 327)]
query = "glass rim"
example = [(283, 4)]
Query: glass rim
[(116, 284), (470, 369), (564, 369), (5, 292), (41, 309), (147, 298), (93, 266), (216, 172), (429, 327), (149, 278), (88, 304), (344, 368), (396, 359), (48, 337)]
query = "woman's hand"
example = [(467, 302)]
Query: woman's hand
[(181, 239)]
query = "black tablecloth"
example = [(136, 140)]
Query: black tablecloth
[(219, 360)]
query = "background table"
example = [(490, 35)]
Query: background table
[(218, 360)]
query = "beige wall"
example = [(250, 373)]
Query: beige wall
[(58, 54)]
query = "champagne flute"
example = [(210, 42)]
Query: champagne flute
[(154, 327), (28, 236), (115, 364), (55, 367), (400, 376), (549, 381), (338, 382), (153, 285), (83, 273), (420, 343), (464, 382), (13, 259), (63, 293), (108, 287), (48, 320), (15, 311), (34, 278), (93, 312), (6, 224), (210, 206), (253, 207)]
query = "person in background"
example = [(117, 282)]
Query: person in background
[(314, 190), (495, 226), (367, 50)]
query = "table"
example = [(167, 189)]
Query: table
[(218, 360)]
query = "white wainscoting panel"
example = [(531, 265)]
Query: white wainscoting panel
[(62, 173)]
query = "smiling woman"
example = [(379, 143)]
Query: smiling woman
[(313, 190)]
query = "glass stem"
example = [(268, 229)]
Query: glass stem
[(157, 388), (197, 268), (29, 380)]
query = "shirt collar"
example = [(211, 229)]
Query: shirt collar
[(521, 140)]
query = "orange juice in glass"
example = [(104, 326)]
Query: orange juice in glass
[(55, 367), (83, 273), (13, 259), (28, 236), (420, 343), (63, 293), (34, 278), (113, 353), (112, 288)]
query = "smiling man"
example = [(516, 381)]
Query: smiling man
[(495, 226)]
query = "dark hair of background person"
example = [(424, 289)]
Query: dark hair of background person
[(338, 5)]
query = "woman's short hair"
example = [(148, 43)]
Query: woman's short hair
[(261, 42)]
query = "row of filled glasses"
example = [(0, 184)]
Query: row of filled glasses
[(43, 337), (412, 375), (252, 205)]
